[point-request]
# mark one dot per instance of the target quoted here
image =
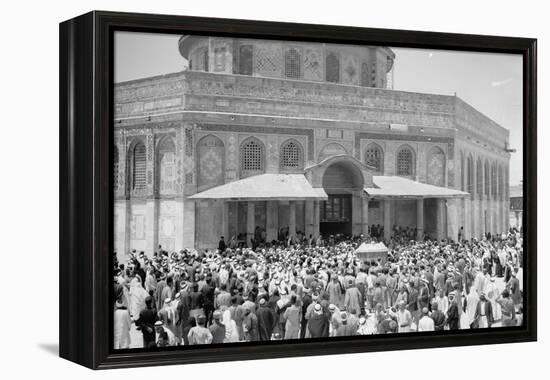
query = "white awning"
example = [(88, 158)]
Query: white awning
[(399, 187), (270, 186)]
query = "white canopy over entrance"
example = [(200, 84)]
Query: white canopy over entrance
[(399, 187), (268, 186)]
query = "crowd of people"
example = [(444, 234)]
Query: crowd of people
[(316, 288)]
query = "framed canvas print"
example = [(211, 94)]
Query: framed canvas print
[(235, 190)]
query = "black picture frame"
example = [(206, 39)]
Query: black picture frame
[(86, 202)]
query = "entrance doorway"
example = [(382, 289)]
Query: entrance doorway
[(335, 215), (341, 180)]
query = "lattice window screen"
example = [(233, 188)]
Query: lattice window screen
[(293, 64), (291, 156), (404, 162), (252, 156), (373, 157), (139, 169)]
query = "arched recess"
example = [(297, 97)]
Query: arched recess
[(291, 155), (494, 181), (137, 167), (210, 162), (166, 166), (331, 149), (435, 169), (462, 172), (374, 157), (405, 161), (487, 179), (501, 182), (332, 68), (252, 157), (470, 187), (479, 178), (293, 64)]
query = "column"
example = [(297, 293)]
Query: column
[(188, 231), (452, 219), (272, 220), (316, 218), (365, 221), (250, 222), (309, 218), (387, 219), (122, 229), (356, 218), (225, 220), (292, 220), (420, 219), (440, 218)]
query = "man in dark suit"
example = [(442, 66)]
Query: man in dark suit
[(221, 244), (146, 322), (483, 317)]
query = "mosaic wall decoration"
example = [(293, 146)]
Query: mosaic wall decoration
[(211, 156), (350, 72), (331, 149), (167, 166), (436, 167), (312, 65), (268, 60)]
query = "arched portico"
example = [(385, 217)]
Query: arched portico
[(344, 179)]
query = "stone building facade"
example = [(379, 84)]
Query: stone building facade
[(268, 112)]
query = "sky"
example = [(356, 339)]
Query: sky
[(491, 83)]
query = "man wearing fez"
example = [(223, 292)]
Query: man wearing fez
[(266, 320), (318, 323)]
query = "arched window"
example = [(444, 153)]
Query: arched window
[(199, 61), (405, 162), (245, 60), (332, 68), (139, 167), (252, 157), (166, 166), (293, 64), (374, 157), (365, 75), (291, 155), (479, 178), (115, 169)]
